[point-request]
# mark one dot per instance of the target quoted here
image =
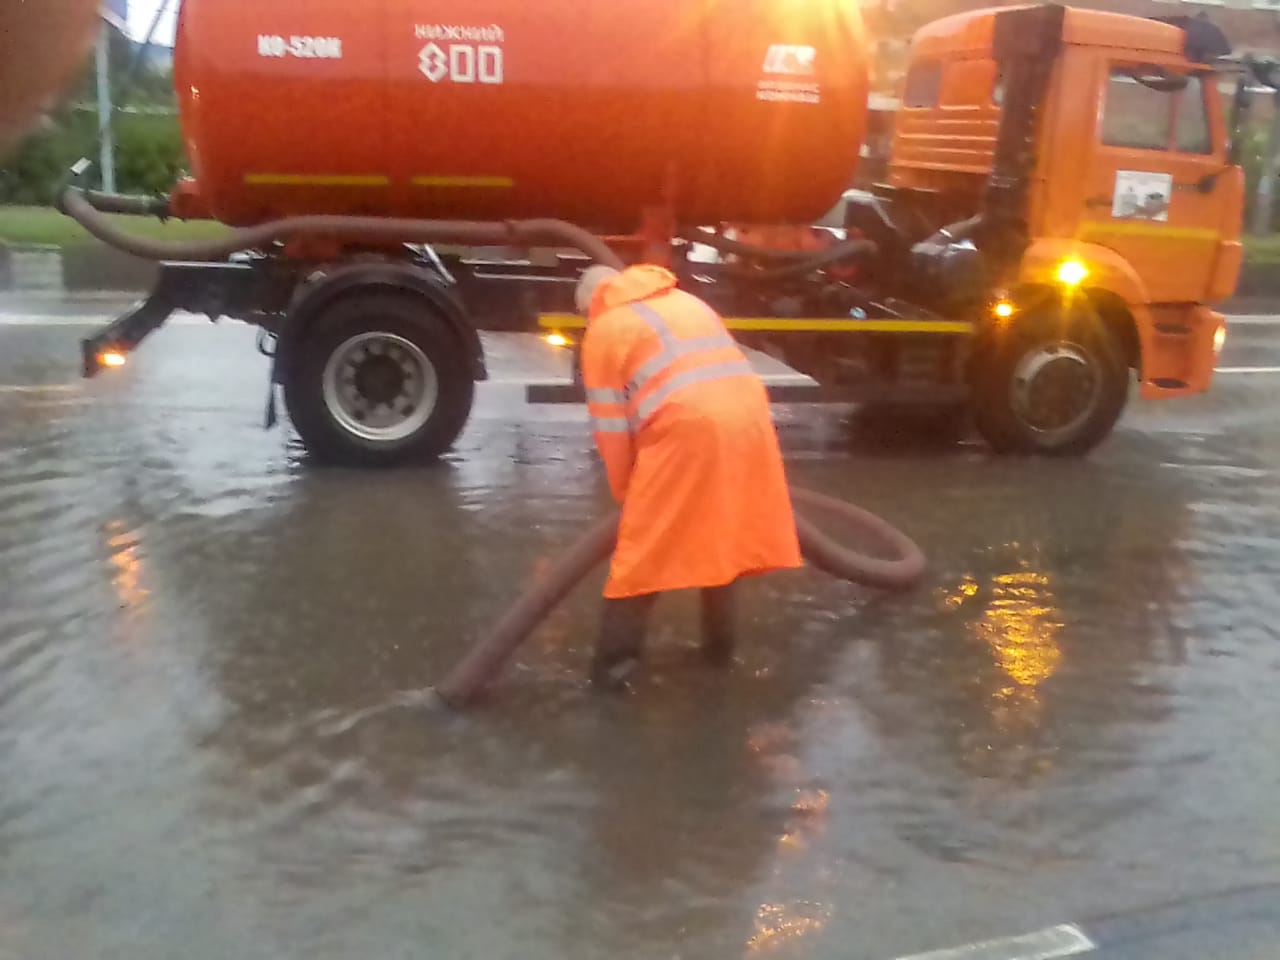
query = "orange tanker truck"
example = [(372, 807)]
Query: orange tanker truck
[(1062, 204)]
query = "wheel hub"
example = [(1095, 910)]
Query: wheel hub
[(1056, 388), (380, 386), (379, 379)]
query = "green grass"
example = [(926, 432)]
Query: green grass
[(48, 227), (1262, 249)]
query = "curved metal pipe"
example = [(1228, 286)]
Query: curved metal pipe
[(77, 205), (848, 250), (960, 230), (481, 665), (724, 244), (128, 204)]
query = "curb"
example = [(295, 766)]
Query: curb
[(91, 269)]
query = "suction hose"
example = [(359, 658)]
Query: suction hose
[(77, 205), (469, 678)]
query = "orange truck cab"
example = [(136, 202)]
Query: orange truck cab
[(1132, 197), (1061, 210)]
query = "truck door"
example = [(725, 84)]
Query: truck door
[(1155, 189)]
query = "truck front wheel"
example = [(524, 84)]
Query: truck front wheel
[(1050, 384), (378, 380)]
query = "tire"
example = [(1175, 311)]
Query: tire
[(1051, 384), (379, 380)]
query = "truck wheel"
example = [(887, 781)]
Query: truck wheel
[(379, 380), (1049, 385)]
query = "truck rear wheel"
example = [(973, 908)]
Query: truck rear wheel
[(379, 380), (1050, 384)]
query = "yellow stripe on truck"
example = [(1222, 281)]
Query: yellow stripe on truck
[(315, 180), (1156, 231), (571, 321), (499, 183)]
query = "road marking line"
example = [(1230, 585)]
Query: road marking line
[(1253, 320), (84, 320), (1232, 371), (39, 388), (1061, 941), (80, 296)]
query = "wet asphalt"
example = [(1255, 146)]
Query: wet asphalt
[(210, 651)]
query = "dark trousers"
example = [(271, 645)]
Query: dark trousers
[(626, 622)]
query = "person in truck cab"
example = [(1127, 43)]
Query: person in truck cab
[(683, 425)]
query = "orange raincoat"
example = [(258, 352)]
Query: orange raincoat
[(683, 425)]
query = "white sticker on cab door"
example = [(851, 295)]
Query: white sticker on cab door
[(1141, 195)]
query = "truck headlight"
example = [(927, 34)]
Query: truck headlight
[(1072, 273)]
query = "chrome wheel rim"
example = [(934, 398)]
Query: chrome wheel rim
[(380, 387), (1056, 389)]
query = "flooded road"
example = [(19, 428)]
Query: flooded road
[(207, 647)]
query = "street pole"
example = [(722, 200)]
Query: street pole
[(1264, 203), (105, 128)]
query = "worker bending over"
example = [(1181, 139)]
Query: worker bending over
[(683, 425)]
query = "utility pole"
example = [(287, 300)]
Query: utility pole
[(1264, 203), (106, 129)]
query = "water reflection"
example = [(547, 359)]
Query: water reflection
[(781, 925), (125, 558), (1021, 626)]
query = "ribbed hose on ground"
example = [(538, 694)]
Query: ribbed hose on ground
[(75, 204), (469, 678)]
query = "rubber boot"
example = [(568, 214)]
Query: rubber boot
[(718, 634), (621, 642)]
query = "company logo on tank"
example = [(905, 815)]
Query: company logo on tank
[(462, 54), (789, 60)]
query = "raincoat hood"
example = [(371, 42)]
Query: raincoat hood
[(631, 285)]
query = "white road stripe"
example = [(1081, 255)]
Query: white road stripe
[(83, 296), (84, 320), (1235, 371), (39, 388), (1061, 941), (1253, 320)]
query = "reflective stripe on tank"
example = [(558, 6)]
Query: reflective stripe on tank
[(611, 424), (716, 371), (673, 349)]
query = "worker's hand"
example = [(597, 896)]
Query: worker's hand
[(42, 45)]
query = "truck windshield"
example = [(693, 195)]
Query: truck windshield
[(1147, 111)]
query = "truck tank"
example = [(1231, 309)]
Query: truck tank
[(587, 110)]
